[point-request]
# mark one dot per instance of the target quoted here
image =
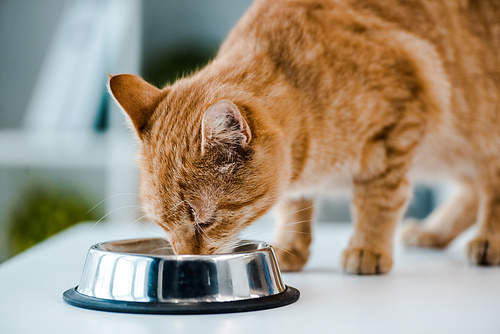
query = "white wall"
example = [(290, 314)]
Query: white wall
[(26, 28)]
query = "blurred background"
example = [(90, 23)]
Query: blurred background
[(65, 153)]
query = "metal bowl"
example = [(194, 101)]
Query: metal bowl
[(145, 276)]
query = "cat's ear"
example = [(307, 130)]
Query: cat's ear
[(223, 123), (136, 97)]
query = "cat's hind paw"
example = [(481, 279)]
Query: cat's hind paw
[(414, 234), (291, 260), (362, 261), (484, 250)]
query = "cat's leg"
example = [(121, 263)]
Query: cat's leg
[(446, 222), (377, 207), (484, 249), (293, 233), (380, 194)]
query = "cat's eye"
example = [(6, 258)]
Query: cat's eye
[(191, 213), (193, 217), (207, 223)]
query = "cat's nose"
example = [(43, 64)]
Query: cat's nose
[(184, 249), (185, 240), (204, 217)]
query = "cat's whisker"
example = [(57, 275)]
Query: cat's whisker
[(284, 250), (110, 212), (137, 220), (230, 243), (162, 248), (257, 233), (130, 213), (296, 232), (157, 234), (200, 228), (300, 210), (110, 197), (258, 228), (231, 246), (265, 231), (299, 222), (272, 228), (237, 243), (174, 207)]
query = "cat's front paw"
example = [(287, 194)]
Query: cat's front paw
[(291, 260), (415, 234), (362, 261), (484, 250)]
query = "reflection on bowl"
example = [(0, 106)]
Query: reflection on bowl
[(145, 276)]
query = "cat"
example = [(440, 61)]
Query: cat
[(306, 95)]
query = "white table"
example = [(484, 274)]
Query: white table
[(428, 291)]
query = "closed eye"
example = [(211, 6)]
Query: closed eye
[(238, 205), (191, 213), (193, 217), (207, 222)]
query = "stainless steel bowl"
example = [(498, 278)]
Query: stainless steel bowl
[(145, 276)]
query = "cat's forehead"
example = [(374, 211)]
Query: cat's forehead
[(176, 126), (173, 149)]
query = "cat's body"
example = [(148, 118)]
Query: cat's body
[(306, 96)]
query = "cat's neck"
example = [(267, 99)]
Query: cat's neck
[(268, 97), (275, 107)]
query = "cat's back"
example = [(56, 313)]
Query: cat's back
[(454, 27), (310, 39), (466, 34)]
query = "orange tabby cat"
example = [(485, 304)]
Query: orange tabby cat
[(305, 96)]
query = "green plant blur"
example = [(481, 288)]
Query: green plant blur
[(44, 211)]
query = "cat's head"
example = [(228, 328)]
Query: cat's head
[(208, 166)]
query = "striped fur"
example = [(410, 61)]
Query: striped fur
[(364, 93)]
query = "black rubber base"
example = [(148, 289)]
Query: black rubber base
[(289, 296)]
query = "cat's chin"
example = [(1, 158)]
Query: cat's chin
[(200, 246)]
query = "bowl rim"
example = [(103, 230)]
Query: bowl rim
[(266, 247)]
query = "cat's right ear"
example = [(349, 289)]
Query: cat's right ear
[(136, 97)]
